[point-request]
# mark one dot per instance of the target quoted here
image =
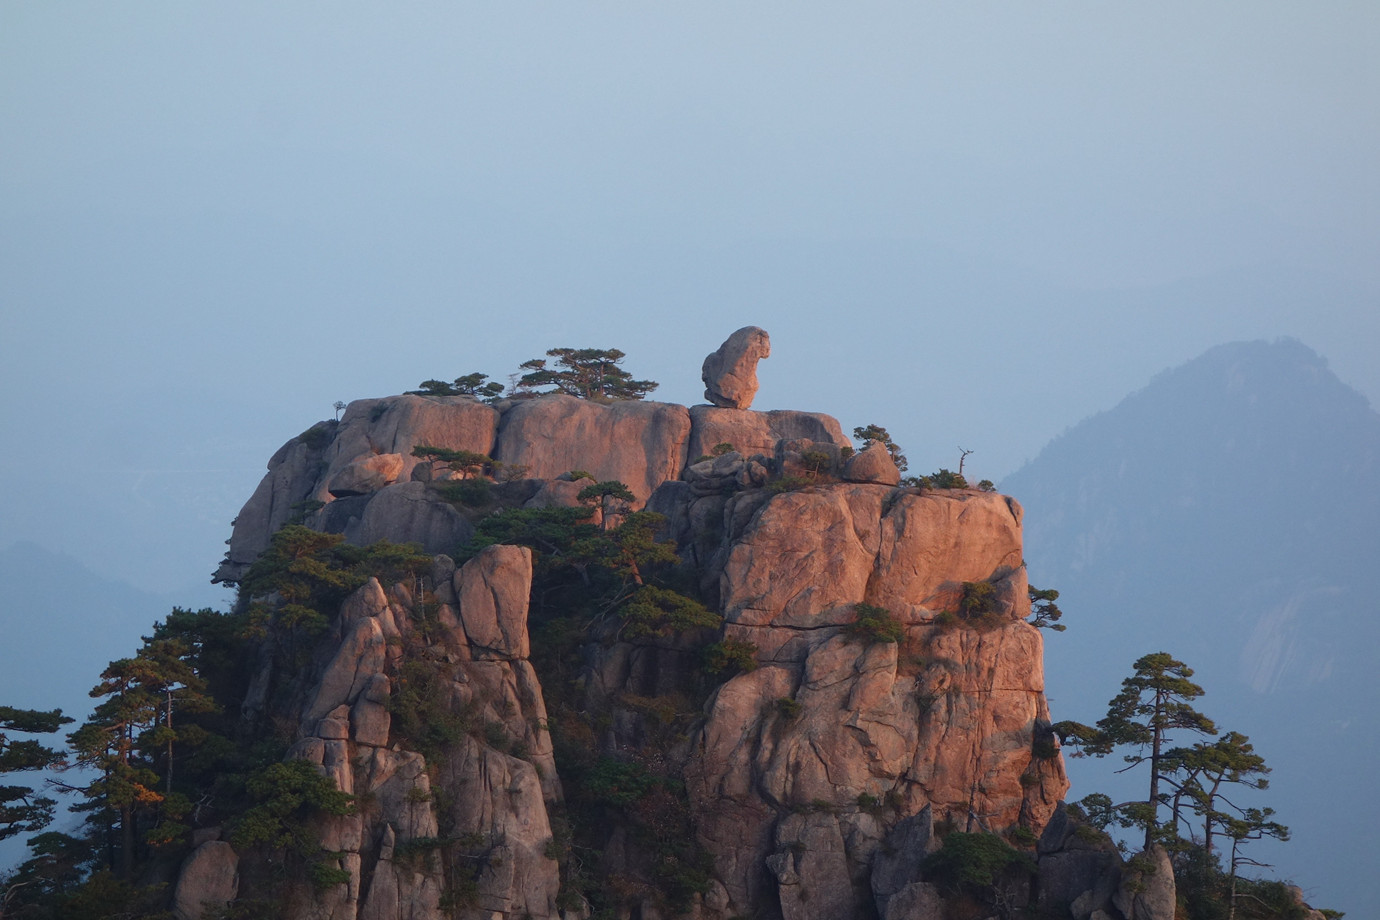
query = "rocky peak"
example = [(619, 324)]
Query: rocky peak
[(860, 716)]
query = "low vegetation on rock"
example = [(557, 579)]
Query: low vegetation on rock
[(585, 373)]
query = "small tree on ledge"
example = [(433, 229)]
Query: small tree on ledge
[(586, 373), (468, 385)]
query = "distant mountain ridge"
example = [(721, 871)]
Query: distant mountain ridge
[(1226, 513)]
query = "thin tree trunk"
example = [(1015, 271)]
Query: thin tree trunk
[(1157, 738), (168, 786), (126, 842), (1231, 910)]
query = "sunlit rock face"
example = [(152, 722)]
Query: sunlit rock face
[(947, 719), (730, 373), (805, 777), (366, 460)]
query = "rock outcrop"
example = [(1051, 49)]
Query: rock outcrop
[(492, 789), (730, 374), (358, 476), (641, 444), (872, 464), (815, 782), (209, 881), (949, 719)]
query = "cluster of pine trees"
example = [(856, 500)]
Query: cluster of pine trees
[(1193, 805)]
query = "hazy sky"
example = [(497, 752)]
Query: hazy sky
[(972, 223)]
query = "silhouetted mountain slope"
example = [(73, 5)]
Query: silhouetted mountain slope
[(1227, 514)]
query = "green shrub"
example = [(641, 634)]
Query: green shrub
[(653, 611), (585, 373), (979, 600), (944, 479), (874, 624), (286, 796), (1024, 836), (788, 709), (880, 434), (722, 448), (300, 511), (420, 707), (467, 463), (318, 436), (325, 875), (618, 783), (472, 493), (731, 656), (467, 385), (816, 462), (973, 862)]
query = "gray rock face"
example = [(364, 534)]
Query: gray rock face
[(209, 880), (1147, 886), (815, 877), (919, 901), (1080, 868), (897, 863), (405, 512), (369, 448), (730, 374)]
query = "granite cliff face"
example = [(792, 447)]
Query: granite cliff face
[(813, 782)]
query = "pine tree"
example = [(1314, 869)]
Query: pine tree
[(587, 373), (20, 810), (1153, 702), (106, 742), (870, 433)]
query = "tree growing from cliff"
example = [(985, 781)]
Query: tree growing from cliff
[(1044, 613), (1154, 701), (612, 498), (20, 810), (1207, 772), (468, 385), (869, 433), (587, 373), (467, 463)]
